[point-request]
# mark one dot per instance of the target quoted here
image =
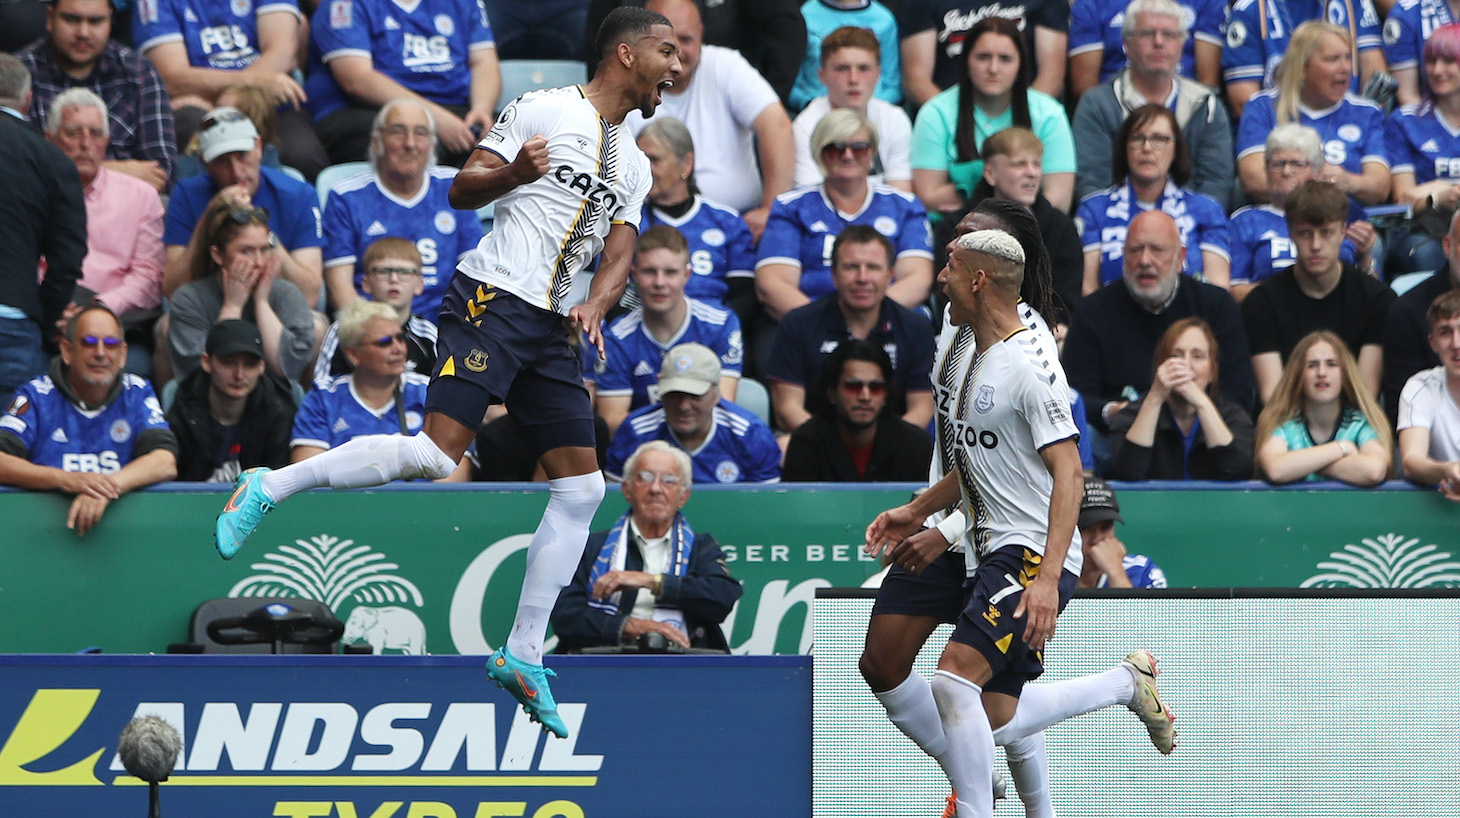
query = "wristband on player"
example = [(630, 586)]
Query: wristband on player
[(953, 527)]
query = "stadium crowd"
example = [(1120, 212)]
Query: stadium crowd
[(231, 221)]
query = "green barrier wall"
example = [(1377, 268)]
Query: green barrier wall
[(407, 568)]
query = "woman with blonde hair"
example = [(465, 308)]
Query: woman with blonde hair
[(1313, 89), (1322, 397)]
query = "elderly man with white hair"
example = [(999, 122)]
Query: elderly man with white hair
[(650, 572), (1153, 33), (403, 194), (123, 266), (1019, 482)]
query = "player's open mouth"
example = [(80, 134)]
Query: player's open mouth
[(661, 88)]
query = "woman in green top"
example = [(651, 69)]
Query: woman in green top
[(1322, 397), (992, 94)]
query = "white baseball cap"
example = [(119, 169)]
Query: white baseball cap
[(689, 368), (225, 130)]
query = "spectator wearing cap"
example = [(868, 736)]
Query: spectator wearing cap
[(1107, 565), (726, 444), (78, 51), (856, 439), (85, 428), (123, 265), (230, 147), (232, 414)]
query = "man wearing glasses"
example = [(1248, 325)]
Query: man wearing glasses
[(856, 439), (229, 145), (404, 194), (650, 573), (392, 276), (1154, 33), (84, 428)]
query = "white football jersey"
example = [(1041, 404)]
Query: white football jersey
[(546, 232), (1014, 403)]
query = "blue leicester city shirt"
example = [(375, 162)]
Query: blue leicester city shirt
[(1261, 245), (1352, 131), (802, 226), (1420, 141), (360, 210), (425, 49), (219, 34), (55, 432), (1095, 25), (1258, 31), (332, 415), (293, 206), (740, 449), (720, 247), (1103, 219), (634, 356)]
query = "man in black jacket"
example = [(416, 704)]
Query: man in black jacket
[(42, 215), (650, 573), (855, 439), (231, 414)]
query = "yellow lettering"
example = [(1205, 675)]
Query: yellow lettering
[(385, 810), (559, 809), (500, 809), (51, 718), (302, 809), (430, 809)]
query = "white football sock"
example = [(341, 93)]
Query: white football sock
[(371, 460), (911, 707), (552, 559), (1041, 705), (969, 761), (1029, 765)]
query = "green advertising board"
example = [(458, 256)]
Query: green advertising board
[(437, 569)]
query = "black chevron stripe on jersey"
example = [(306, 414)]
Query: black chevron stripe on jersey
[(588, 215)]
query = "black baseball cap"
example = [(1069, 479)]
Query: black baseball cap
[(1099, 504), (233, 336)]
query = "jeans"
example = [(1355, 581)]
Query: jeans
[(21, 356)]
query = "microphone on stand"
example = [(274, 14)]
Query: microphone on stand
[(149, 748)]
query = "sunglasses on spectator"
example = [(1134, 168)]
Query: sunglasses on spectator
[(248, 215), (398, 272), (858, 148), (647, 478), (108, 341), (852, 386), (215, 118), (386, 340)]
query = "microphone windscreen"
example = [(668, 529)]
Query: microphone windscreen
[(149, 748)]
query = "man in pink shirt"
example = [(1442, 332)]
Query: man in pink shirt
[(123, 266)]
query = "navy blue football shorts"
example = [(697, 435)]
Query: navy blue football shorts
[(492, 347), (987, 623), (937, 592)]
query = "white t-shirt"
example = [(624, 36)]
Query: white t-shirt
[(1016, 403), (894, 142), (546, 232), (718, 107), (1426, 402)]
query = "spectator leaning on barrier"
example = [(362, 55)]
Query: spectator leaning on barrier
[(231, 414), (855, 438), (726, 444), (1429, 416), (84, 428), (650, 572), (41, 215), (1107, 565), (392, 275), (1321, 421)]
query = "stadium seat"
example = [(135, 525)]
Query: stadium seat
[(334, 174), (288, 171), (315, 637), (168, 395), (521, 76), (751, 394), (1402, 284)]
